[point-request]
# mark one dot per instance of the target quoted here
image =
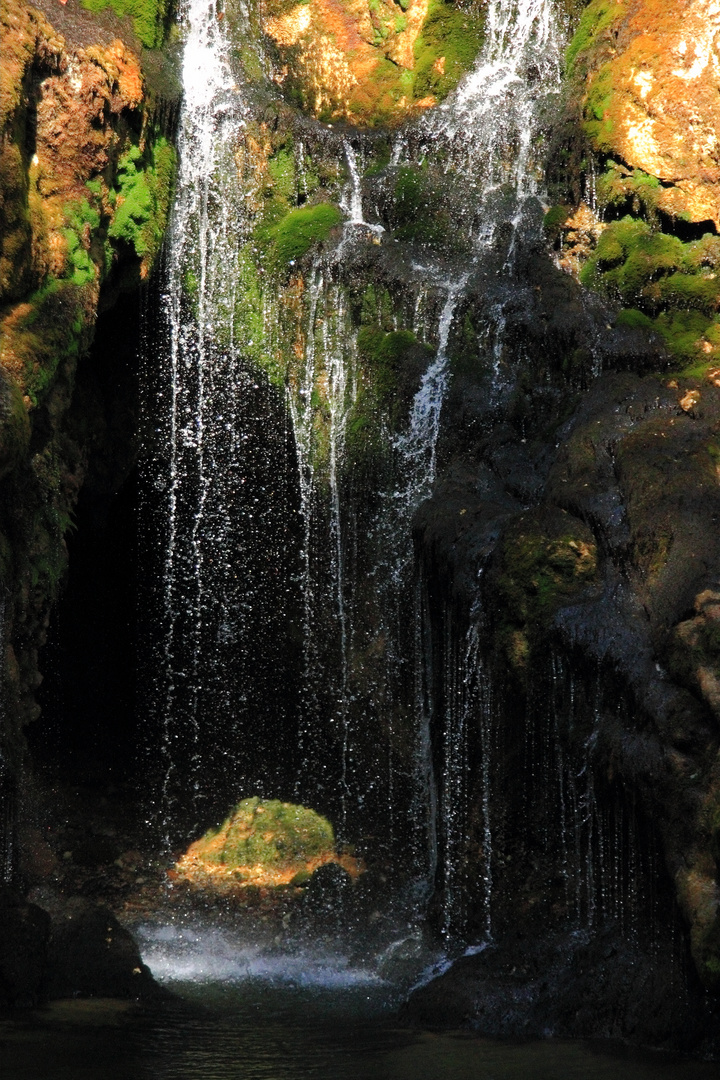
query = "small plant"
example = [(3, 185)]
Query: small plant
[(144, 190)]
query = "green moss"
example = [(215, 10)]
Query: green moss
[(634, 318), (148, 16), (543, 564), (683, 331), (281, 168), (618, 186), (451, 35), (383, 154), (144, 187), (269, 832), (418, 213), (386, 353), (599, 125), (554, 218), (669, 284), (597, 18), (297, 232), (52, 333)]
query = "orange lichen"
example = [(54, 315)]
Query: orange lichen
[(353, 60), (655, 101), (219, 878)]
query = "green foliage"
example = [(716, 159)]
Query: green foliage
[(682, 331), (81, 221), (451, 35), (554, 218), (269, 832), (617, 186), (667, 285), (599, 124), (417, 211), (297, 232), (148, 16), (382, 159), (596, 19), (281, 168), (386, 353), (52, 333), (410, 197), (248, 321), (144, 191), (635, 319)]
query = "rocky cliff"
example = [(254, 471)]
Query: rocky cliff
[(559, 614), (86, 175)]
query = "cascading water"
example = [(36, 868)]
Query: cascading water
[(266, 528), (222, 512)]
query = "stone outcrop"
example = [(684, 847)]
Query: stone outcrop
[(85, 193), (374, 63), (86, 175)]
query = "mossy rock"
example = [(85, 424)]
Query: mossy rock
[(289, 239), (666, 285), (143, 194), (14, 424), (267, 832), (594, 28), (148, 16), (547, 559)]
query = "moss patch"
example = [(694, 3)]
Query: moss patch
[(142, 198), (546, 560), (261, 832), (263, 842), (596, 22), (665, 285), (297, 232), (148, 16), (445, 49)]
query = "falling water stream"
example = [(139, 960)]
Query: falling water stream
[(264, 593), (242, 491)]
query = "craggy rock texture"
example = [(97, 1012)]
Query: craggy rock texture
[(372, 63), (85, 183), (85, 194), (590, 514), (642, 90)]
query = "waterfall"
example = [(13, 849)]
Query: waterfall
[(290, 615), (216, 451)]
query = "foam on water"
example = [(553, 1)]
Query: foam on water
[(197, 954)]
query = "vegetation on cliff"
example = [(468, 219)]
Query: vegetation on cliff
[(148, 16), (86, 181), (374, 64), (642, 79)]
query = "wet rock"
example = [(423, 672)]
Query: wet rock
[(24, 936), (91, 955), (568, 986)]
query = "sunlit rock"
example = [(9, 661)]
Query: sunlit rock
[(263, 842)]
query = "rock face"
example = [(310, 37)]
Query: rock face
[(85, 185), (372, 64), (560, 621), (642, 100), (652, 75), (605, 654), (85, 181)]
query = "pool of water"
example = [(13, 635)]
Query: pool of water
[(255, 1012)]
